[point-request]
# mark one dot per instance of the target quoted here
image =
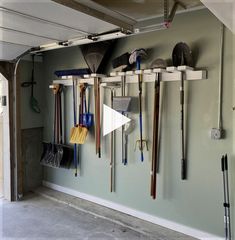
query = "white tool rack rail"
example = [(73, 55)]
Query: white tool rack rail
[(166, 75)]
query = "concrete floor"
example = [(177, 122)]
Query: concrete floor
[(37, 217)]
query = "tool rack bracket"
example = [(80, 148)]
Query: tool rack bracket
[(166, 75)]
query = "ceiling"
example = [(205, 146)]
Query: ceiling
[(30, 23)]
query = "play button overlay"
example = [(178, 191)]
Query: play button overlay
[(112, 120)]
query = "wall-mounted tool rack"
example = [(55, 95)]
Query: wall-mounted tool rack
[(166, 75)]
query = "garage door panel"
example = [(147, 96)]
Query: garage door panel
[(55, 12), (60, 33), (23, 39), (10, 51)]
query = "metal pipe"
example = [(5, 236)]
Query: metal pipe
[(220, 120), (15, 130)]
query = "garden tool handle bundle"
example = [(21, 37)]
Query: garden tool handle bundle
[(226, 204), (155, 136)]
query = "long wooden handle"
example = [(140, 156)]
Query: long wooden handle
[(97, 116), (155, 138), (183, 160), (140, 116)]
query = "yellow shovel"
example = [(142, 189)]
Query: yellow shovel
[(79, 132)]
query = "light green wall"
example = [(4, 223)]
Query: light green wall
[(196, 202)]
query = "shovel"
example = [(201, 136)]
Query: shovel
[(87, 117), (57, 154), (182, 55)]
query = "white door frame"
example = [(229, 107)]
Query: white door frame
[(6, 142)]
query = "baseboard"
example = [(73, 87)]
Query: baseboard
[(141, 215)]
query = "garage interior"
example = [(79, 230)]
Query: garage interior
[(64, 65)]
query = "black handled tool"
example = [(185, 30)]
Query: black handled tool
[(226, 204), (155, 136), (183, 160)]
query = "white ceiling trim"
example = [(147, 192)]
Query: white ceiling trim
[(223, 10)]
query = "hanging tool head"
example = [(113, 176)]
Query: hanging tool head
[(121, 104), (137, 54), (95, 55), (121, 63), (182, 55), (158, 63), (56, 88)]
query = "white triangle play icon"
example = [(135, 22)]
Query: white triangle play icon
[(112, 120)]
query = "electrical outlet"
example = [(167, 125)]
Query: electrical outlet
[(3, 101), (217, 133)]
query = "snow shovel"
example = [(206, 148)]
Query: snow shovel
[(57, 154)]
